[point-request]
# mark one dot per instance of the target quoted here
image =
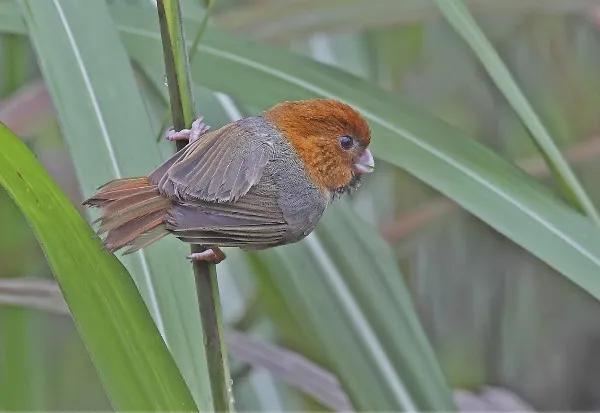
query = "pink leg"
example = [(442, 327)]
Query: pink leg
[(198, 129), (213, 255)]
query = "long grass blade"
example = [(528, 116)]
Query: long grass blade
[(463, 22), (108, 134), (360, 315), (133, 362)]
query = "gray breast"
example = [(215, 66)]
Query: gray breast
[(302, 203)]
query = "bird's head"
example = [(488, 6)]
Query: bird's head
[(330, 137)]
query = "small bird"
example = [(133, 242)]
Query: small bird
[(259, 182)]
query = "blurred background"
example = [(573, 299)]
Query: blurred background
[(494, 314)]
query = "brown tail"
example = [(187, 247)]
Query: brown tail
[(133, 213)]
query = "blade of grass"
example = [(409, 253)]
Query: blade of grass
[(207, 289), (410, 221), (380, 294), (133, 363), (462, 21), (349, 338), (108, 134)]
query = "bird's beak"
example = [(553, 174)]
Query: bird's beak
[(365, 163)]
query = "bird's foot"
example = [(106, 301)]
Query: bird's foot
[(198, 129), (213, 255)]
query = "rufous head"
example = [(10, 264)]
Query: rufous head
[(330, 137)]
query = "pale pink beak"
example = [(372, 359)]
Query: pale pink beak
[(365, 163)]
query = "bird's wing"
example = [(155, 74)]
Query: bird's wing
[(254, 221), (221, 166)]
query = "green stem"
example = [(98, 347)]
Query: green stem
[(192, 55), (176, 64), (214, 342), (182, 110)]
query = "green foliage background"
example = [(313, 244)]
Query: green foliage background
[(488, 275)]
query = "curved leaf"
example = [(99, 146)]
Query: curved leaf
[(459, 17), (133, 362), (109, 135), (352, 297)]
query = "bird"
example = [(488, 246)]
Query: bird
[(255, 183)]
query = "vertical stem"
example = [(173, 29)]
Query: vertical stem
[(176, 65), (182, 109), (214, 343)]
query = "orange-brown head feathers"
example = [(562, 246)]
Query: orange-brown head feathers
[(330, 137)]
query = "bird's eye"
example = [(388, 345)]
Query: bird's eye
[(346, 142)]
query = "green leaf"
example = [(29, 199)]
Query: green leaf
[(132, 360), (108, 133), (352, 296), (459, 17)]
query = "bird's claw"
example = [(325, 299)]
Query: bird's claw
[(212, 255), (198, 129)]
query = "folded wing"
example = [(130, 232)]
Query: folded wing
[(220, 166), (222, 196)]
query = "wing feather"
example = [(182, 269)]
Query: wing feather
[(220, 166)]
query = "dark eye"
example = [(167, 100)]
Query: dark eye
[(346, 142)]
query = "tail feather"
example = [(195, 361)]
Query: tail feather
[(126, 199), (146, 239), (128, 233), (133, 213), (129, 209), (124, 183)]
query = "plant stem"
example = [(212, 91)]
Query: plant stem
[(192, 54), (176, 65), (182, 110)]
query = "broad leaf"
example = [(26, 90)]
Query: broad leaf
[(133, 362), (108, 134)]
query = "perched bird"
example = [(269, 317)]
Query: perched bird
[(256, 183)]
